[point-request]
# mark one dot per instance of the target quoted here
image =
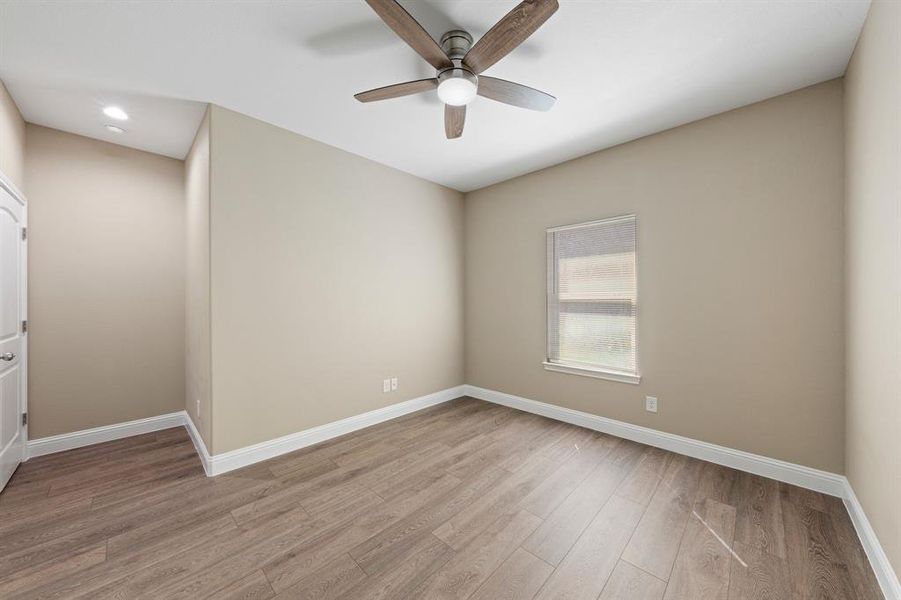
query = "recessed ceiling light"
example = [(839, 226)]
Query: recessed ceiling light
[(114, 129), (114, 112)]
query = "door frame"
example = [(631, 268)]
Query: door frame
[(19, 197)]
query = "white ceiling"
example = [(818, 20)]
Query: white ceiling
[(620, 70)]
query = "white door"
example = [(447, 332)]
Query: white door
[(12, 335)]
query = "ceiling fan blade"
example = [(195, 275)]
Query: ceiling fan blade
[(410, 31), (508, 33), (508, 92), (454, 118), (397, 90)]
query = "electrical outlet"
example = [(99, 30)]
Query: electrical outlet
[(393, 383), (650, 404), (386, 385), (198, 408)]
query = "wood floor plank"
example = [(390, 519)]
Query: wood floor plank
[(44, 504), (398, 573), (488, 422), (520, 576), (472, 565), (27, 517), (187, 473), (112, 475), (827, 575), (85, 582), (135, 536), (132, 534), (397, 485), (703, 563), (802, 497), (562, 528), (583, 457), (758, 575), (852, 554), (505, 442), (628, 582), (716, 483), (335, 502), (656, 541), (409, 458), (287, 569), (198, 569), (523, 506), (22, 488), (500, 501), (330, 582), (105, 452), (71, 530), (758, 521), (174, 485), (251, 587), (399, 536), (368, 455), (536, 442), (795, 519), (286, 565), (817, 563), (640, 484), (572, 442), (584, 572), (291, 497), (51, 571)]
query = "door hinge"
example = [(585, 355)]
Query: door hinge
[(24, 418), (24, 326), (24, 233)]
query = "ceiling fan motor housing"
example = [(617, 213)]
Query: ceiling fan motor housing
[(456, 44), (457, 85)]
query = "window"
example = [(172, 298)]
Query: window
[(592, 299)]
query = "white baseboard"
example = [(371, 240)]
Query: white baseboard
[(813, 479), (242, 457), (199, 445), (97, 435), (888, 579)]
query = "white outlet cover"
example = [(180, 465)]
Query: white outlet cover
[(393, 383), (386, 385), (650, 404)]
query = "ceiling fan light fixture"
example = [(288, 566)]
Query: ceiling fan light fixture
[(458, 63), (457, 87)]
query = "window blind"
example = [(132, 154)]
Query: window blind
[(592, 296)]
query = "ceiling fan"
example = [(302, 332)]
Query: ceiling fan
[(459, 63)]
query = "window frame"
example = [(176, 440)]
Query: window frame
[(583, 369)]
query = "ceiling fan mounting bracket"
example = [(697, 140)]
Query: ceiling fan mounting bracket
[(456, 43)]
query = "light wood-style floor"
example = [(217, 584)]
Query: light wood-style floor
[(464, 500)]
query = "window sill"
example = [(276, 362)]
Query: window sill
[(596, 373)]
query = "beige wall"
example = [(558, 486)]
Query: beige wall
[(873, 242), (197, 283), (739, 278), (106, 283), (12, 140), (329, 273)]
